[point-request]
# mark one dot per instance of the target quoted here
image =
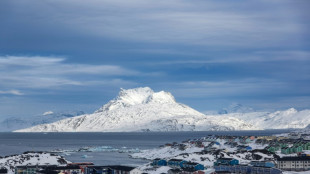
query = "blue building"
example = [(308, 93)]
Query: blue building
[(159, 162), (193, 165), (262, 164), (226, 161), (176, 163), (248, 148)]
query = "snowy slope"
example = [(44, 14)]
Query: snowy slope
[(290, 118), (15, 123), (142, 109), (31, 158)]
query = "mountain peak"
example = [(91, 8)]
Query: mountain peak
[(137, 96)]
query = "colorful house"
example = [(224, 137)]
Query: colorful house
[(286, 150), (273, 149), (290, 150)]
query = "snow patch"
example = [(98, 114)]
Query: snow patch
[(48, 113)]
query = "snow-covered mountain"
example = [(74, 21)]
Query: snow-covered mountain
[(142, 109), (290, 118), (15, 123)]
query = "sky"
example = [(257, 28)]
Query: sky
[(70, 55)]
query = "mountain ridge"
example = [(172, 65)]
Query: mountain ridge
[(142, 109), (13, 123)]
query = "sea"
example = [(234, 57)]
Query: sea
[(107, 148)]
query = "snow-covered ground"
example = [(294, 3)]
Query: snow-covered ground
[(290, 118), (193, 154), (35, 158)]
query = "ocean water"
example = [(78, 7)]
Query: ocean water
[(106, 145)]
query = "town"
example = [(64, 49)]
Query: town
[(210, 154)]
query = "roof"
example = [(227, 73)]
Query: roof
[(260, 161), (222, 171), (176, 160), (122, 168), (225, 158), (47, 172), (82, 163), (63, 167), (97, 167), (298, 158), (35, 166), (192, 163)]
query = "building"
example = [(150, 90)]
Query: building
[(124, 170), (193, 165), (73, 169), (111, 170), (300, 163), (3, 171), (262, 164), (176, 163), (293, 149), (226, 161), (30, 169), (245, 169), (184, 171), (97, 170), (159, 162)]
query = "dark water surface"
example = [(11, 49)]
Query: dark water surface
[(17, 143)]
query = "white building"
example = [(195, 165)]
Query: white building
[(294, 163)]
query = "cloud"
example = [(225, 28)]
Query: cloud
[(209, 23), (47, 72), (12, 92), (205, 23), (229, 88), (55, 65), (29, 61), (254, 57)]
